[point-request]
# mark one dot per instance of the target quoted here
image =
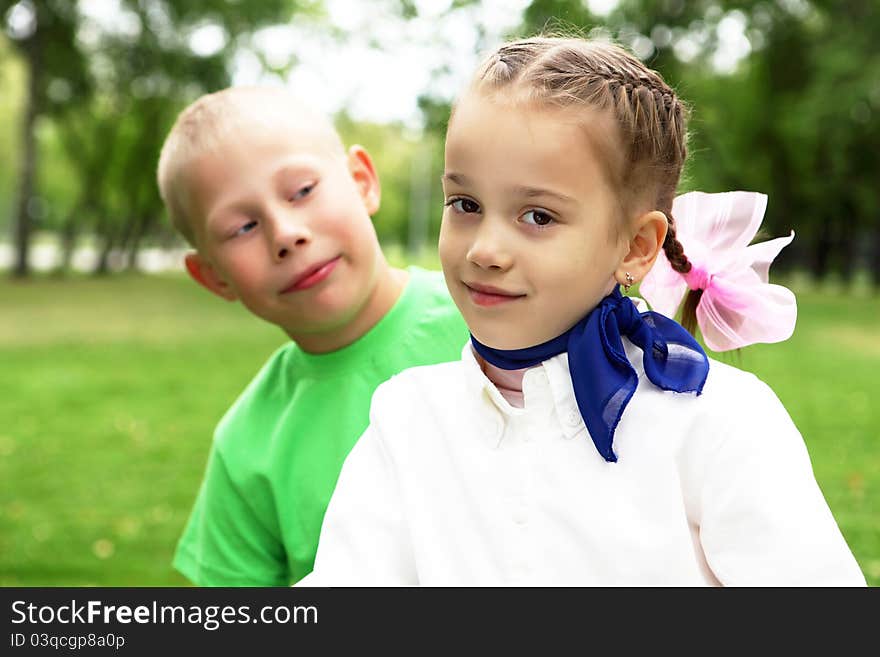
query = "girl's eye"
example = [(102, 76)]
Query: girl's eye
[(246, 228), (463, 205), (537, 218), (303, 192)]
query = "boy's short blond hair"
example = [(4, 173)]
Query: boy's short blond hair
[(207, 123)]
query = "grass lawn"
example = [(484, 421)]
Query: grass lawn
[(110, 390)]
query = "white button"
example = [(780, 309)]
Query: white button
[(573, 418), (519, 516)]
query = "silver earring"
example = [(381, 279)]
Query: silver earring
[(629, 281)]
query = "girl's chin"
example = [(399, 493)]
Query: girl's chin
[(503, 343)]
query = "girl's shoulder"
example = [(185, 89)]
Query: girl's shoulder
[(734, 401), (726, 384), (439, 384), (428, 404)]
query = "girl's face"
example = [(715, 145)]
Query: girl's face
[(529, 241)]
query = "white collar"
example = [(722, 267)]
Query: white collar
[(553, 374)]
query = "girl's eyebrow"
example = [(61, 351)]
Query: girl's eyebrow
[(531, 192), (518, 190), (456, 178)]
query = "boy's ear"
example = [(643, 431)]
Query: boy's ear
[(203, 273), (649, 232), (364, 173)]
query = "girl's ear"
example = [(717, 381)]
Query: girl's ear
[(203, 273), (649, 232), (364, 173)]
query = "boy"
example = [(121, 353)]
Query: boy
[(279, 215)]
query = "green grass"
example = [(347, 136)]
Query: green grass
[(110, 390), (109, 394)]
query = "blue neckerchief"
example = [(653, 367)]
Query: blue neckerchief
[(602, 377)]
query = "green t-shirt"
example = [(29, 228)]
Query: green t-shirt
[(278, 450)]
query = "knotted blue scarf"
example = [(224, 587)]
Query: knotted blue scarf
[(602, 377)]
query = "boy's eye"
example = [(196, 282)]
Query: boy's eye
[(463, 205), (537, 218), (246, 228), (303, 192)]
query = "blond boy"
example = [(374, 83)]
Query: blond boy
[(278, 213)]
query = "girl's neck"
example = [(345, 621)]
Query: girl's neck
[(508, 382)]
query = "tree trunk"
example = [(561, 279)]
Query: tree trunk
[(130, 236), (22, 220), (69, 234), (102, 266), (874, 262), (848, 258), (143, 227), (822, 253), (109, 235), (68, 244), (133, 246)]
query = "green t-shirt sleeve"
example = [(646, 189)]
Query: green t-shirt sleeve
[(225, 542)]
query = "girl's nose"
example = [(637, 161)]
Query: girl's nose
[(488, 250)]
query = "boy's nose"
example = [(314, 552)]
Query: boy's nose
[(487, 251), (288, 234)]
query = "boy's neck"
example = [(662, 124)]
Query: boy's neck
[(389, 286)]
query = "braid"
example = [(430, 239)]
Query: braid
[(674, 250), (675, 254), (499, 71)]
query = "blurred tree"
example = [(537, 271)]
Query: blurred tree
[(12, 84), (44, 34), (114, 86), (181, 50)]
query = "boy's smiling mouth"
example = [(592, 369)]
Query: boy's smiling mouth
[(312, 275), (489, 295)]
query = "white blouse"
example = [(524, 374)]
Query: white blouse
[(451, 485)]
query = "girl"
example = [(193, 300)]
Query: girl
[(579, 441)]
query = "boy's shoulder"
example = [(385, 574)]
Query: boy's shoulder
[(423, 327), (429, 293), (259, 405), (275, 376), (428, 280)]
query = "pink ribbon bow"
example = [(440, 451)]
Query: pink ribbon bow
[(738, 306)]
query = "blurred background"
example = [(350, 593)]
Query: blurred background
[(114, 368)]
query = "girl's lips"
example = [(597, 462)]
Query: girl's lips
[(313, 276), (487, 296)]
